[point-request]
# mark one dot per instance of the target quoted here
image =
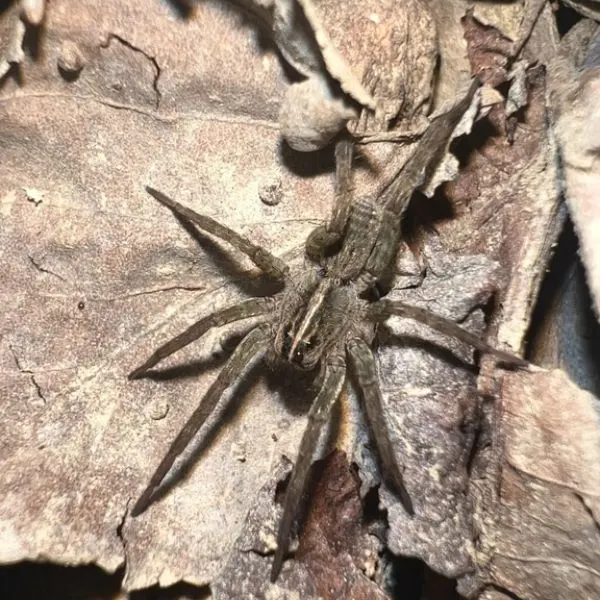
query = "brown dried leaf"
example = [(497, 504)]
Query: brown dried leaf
[(539, 519), (337, 556)]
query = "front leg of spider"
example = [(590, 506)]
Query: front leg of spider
[(366, 375), (268, 263)]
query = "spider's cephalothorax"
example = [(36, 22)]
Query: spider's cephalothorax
[(324, 319)]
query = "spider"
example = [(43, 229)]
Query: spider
[(326, 318)]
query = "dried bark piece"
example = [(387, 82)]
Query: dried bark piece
[(337, 556), (431, 402), (382, 55), (336, 547), (539, 535), (12, 35), (335, 63), (392, 48)]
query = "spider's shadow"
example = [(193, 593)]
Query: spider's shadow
[(207, 434), (296, 391), (389, 339), (244, 280)]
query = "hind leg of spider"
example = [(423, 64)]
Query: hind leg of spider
[(382, 310), (325, 236), (366, 373), (244, 310), (249, 351), (263, 259), (335, 374)]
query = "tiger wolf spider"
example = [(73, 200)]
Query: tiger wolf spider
[(325, 318)]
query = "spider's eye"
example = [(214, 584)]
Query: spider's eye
[(301, 349)]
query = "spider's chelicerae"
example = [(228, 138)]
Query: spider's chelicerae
[(327, 318)]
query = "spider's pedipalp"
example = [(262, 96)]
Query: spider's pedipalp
[(249, 351), (244, 310), (333, 381), (365, 370), (268, 263), (382, 310), (326, 236), (344, 150)]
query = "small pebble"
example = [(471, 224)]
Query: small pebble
[(70, 60), (271, 193), (158, 409)]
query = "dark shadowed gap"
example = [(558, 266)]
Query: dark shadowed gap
[(306, 164), (412, 579), (182, 9), (564, 331), (48, 581), (406, 578), (565, 18), (178, 591), (28, 580)]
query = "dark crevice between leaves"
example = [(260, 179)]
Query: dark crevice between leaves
[(412, 579), (29, 580), (566, 18), (375, 516), (152, 59), (177, 591), (404, 578), (32, 581), (31, 374), (564, 331)]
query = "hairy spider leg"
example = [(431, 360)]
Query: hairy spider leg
[(248, 308), (382, 310), (324, 236), (333, 381), (268, 263), (365, 370), (395, 194), (251, 349)]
